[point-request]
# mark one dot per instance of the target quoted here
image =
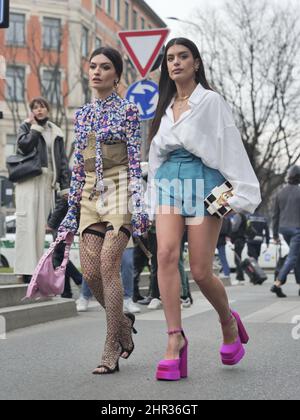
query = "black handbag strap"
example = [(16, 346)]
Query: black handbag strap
[(20, 158)]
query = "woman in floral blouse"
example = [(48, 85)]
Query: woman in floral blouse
[(106, 198)]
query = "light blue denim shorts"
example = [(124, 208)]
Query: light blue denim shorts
[(184, 181)]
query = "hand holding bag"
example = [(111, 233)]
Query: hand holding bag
[(46, 280), (214, 202)]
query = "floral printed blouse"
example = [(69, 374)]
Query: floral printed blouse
[(113, 120)]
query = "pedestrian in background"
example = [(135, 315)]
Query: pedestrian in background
[(186, 296), (259, 226), (35, 197), (238, 238), (286, 221), (140, 262), (127, 270), (221, 246)]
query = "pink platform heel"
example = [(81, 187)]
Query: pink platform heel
[(232, 354), (174, 370)]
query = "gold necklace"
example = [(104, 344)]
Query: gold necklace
[(181, 101), (185, 98)]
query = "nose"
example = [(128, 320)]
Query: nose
[(176, 61), (97, 71)]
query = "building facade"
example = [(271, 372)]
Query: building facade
[(46, 51)]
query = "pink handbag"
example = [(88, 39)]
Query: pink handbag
[(46, 280)]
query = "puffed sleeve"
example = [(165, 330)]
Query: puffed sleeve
[(214, 138), (70, 223), (234, 163)]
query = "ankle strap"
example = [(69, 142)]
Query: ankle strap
[(173, 332), (224, 324)]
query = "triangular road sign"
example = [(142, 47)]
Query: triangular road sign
[(144, 47)]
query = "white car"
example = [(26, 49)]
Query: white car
[(7, 245)]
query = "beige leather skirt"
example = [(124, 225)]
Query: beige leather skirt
[(113, 208)]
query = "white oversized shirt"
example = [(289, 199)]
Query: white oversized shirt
[(208, 131)]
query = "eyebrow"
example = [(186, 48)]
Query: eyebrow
[(180, 53), (101, 64)]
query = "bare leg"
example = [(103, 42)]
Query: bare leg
[(170, 229), (202, 245)]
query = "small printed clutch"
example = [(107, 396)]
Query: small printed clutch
[(214, 202)]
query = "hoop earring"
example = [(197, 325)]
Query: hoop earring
[(116, 85)]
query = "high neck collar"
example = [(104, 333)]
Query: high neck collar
[(107, 100)]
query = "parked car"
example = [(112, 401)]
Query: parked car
[(7, 245)]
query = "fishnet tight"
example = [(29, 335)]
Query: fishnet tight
[(101, 262)]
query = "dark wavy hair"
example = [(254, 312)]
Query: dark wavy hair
[(39, 101), (114, 56), (167, 87)]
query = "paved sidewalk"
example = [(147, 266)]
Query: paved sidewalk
[(55, 361)]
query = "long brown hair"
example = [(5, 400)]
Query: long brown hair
[(167, 87)]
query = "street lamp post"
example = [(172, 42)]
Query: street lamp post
[(187, 22)]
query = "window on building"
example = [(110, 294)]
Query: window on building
[(15, 83), (143, 23), (98, 43), (52, 86), (118, 10), (86, 90), (99, 3), (108, 7), (11, 145), (127, 15), (15, 35), (85, 42), (135, 19), (52, 34)]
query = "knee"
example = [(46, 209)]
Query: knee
[(201, 275), (168, 256)]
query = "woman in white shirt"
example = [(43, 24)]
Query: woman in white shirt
[(195, 146)]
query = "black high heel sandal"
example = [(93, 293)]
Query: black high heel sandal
[(131, 317)]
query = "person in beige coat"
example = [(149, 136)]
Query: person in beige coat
[(35, 197)]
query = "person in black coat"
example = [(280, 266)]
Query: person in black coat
[(238, 238), (35, 196)]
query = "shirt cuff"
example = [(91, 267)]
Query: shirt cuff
[(242, 205)]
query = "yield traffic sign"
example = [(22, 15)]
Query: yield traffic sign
[(144, 47)]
